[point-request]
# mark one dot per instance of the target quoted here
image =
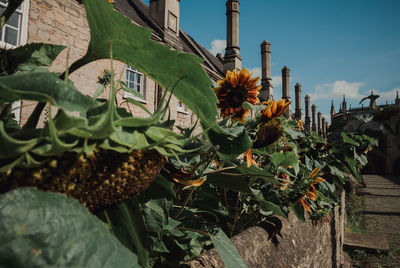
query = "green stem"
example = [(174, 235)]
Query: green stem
[(185, 203), (192, 230)]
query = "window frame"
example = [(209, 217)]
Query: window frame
[(142, 83), (22, 37)]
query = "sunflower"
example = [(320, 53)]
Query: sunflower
[(235, 89), (312, 192), (249, 158), (300, 125), (274, 109)]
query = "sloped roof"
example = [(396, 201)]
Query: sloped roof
[(138, 12)]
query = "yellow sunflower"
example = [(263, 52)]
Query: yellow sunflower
[(312, 192), (235, 89), (274, 109)]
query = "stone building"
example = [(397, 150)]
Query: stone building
[(64, 23), (389, 143)]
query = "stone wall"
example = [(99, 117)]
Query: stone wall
[(64, 23), (301, 245)]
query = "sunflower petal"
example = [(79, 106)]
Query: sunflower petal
[(305, 205), (318, 180), (315, 172), (312, 196), (195, 183)]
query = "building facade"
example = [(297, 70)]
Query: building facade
[(64, 23)]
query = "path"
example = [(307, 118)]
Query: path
[(382, 210)]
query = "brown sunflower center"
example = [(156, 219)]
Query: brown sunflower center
[(237, 96)]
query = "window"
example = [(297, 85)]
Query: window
[(134, 79), (15, 31)]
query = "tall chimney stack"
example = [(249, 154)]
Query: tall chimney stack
[(298, 113), (307, 120), (286, 89), (232, 59), (166, 14), (319, 123), (314, 117), (267, 91)]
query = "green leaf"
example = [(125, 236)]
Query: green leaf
[(43, 229), (227, 251), (11, 147), (30, 56), (351, 163), (175, 71), (44, 87), (298, 210), (269, 206), (127, 224), (349, 140), (234, 182), (286, 159)]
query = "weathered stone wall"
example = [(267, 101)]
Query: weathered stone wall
[(301, 245), (64, 23)]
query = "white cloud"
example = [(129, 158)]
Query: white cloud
[(276, 81), (337, 89), (217, 46)]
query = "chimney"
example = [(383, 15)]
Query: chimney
[(267, 91), (166, 14), (285, 88), (397, 101), (298, 113), (323, 125), (314, 117), (307, 116), (319, 122), (232, 59)]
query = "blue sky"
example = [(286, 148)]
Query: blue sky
[(331, 47)]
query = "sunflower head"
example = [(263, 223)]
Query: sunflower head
[(274, 109), (268, 133), (235, 89)]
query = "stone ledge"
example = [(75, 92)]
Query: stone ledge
[(365, 241)]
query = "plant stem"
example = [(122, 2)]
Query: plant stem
[(185, 203), (192, 230)]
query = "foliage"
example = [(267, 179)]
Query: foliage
[(207, 191), (47, 229)]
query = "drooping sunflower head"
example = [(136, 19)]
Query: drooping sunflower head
[(268, 133), (274, 109), (235, 89)]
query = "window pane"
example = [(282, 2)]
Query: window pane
[(127, 76), (137, 78), (14, 20), (138, 87), (11, 36), (131, 85), (132, 76)]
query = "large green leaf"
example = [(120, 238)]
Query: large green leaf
[(349, 140), (237, 182), (44, 87), (285, 159), (40, 229), (227, 251), (179, 72), (29, 57), (127, 224)]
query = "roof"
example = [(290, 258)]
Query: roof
[(138, 12)]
